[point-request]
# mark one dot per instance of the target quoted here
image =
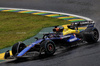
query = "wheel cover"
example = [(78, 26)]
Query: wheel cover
[(50, 47)]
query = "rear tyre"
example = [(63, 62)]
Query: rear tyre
[(91, 35), (49, 47), (18, 47)]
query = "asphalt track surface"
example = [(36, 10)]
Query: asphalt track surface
[(84, 54)]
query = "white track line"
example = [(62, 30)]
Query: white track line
[(50, 12)]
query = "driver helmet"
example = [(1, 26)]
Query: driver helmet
[(56, 29)]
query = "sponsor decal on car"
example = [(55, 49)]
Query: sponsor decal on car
[(74, 39)]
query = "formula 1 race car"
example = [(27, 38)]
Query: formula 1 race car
[(65, 35)]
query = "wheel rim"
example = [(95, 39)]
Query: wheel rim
[(50, 47)]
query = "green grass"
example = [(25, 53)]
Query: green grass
[(16, 27)]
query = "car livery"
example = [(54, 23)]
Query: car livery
[(65, 35)]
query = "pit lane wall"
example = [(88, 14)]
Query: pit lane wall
[(58, 15)]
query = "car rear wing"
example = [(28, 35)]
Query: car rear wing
[(83, 23)]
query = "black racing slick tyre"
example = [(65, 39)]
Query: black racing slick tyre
[(91, 35), (49, 47), (18, 47)]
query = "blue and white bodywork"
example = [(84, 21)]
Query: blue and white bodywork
[(52, 36)]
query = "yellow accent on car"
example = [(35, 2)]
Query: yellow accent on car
[(69, 31), (82, 27)]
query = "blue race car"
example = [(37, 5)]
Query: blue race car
[(47, 44)]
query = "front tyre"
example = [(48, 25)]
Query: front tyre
[(17, 48)]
